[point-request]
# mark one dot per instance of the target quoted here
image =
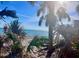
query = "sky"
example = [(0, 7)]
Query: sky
[(27, 13)]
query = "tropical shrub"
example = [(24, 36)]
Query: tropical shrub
[(38, 42), (1, 43), (15, 27)]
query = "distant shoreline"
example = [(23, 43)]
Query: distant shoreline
[(32, 33), (32, 29)]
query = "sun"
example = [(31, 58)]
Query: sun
[(61, 2)]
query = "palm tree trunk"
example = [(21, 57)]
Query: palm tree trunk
[(50, 46), (50, 35)]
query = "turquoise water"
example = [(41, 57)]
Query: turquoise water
[(36, 32), (32, 32), (1, 31)]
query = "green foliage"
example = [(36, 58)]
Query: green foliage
[(40, 21), (1, 43), (38, 42), (16, 28), (43, 16), (8, 13), (77, 45), (11, 36), (16, 46)]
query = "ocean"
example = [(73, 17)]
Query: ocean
[(32, 32)]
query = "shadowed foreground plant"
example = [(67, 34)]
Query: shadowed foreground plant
[(61, 13), (10, 13), (13, 32), (15, 27), (7, 13), (37, 41), (1, 43)]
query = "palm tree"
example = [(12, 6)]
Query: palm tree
[(65, 31), (51, 20), (61, 13)]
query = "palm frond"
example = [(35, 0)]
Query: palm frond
[(37, 41), (61, 13), (11, 13), (1, 2), (1, 43), (41, 9), (16, 28), (77, 9), (46, 23), (46, 17), (32, 2), (11, 36), (69, 19), (40, 21), (38, 12)]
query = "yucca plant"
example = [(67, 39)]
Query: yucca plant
[(15, 47), (14, 31), (1, 43), (11, 36), (15, 27)]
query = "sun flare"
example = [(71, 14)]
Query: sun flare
[(61, 2)]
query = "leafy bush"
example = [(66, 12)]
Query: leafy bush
[(38, 42), (13, 32), (16, 46), (1, 43), (11, 36)]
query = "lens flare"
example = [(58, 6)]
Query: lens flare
[(61, 2)]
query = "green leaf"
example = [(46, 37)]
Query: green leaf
[(46, 23), (69, 19), (11, 36), (40, 21), (37, 41), (16, 46), (41, 9), (39, 12), (16, 28)]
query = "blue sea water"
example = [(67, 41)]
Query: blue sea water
[(36, 33), (1, 31), (32, 32)]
